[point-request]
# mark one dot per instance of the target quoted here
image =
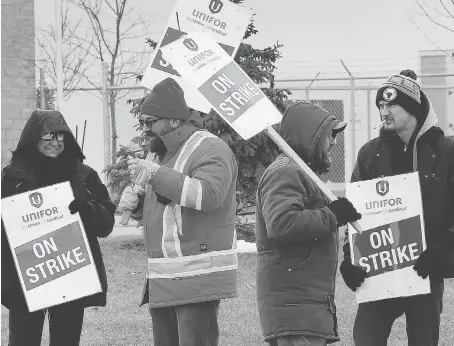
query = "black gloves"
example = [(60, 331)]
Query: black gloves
[(344, 210), (353, 276), (430, 262), (83, 207), (162, 199), (438, 259)]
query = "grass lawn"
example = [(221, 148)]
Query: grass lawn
[(123, 323)]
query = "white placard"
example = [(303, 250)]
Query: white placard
[(229, 90), (49, 247), (223, 20), (393, 236)]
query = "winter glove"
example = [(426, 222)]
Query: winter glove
[(85, 208), (163, 200), (353, 276), (344, 210), (431, 261), (142, 171), (129, 199)]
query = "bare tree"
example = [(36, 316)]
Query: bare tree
[(75, 56), (106, 31), (439, 13)]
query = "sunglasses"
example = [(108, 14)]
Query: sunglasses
[(59, 136)]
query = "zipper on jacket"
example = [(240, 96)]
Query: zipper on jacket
[(86, 189), (304, 261), (405, 147)]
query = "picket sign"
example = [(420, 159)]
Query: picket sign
[(49, 247), (393, 236), (229, 90), (223, 20)]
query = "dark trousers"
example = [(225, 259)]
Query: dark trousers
[(374, 320), (65, 325), (186, 325)]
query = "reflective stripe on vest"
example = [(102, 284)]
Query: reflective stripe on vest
[(202, 264), (172, 227), (192, 289)]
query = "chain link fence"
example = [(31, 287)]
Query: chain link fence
[(350, 99), (336, 108), (353, 101)]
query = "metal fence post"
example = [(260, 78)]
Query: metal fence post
[(308, 99), (369, 117), (353, 125), (105, 114)]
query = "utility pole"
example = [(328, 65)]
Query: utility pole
[(42, 90), (58, 53), (105, 114)]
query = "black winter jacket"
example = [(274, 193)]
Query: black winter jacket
[(20, 176), (433, 158)]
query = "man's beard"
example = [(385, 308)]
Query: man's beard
[(323, 164), (155, 144)]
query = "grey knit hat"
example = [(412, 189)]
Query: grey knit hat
[(404, 90)]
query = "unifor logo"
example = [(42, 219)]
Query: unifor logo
[(36, 199), (215, 6), (382, 187), (190, 44)]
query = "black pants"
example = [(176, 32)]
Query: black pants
[(65, 325), (374, 320), (186, 325)]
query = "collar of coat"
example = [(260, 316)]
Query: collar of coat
[(430, 137), (175, 139), (20, 169)]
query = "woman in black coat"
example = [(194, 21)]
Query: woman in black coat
[(47, 154)]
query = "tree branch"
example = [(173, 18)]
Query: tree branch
[(428, 38), (446, 9), (433, 20)]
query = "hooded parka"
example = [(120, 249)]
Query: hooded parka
[(297, 239), (30, 170)]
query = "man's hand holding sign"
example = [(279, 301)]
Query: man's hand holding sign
[(234, 96)]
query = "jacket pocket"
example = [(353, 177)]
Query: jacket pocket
[(300, 263)]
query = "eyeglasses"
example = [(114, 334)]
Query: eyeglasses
[(149, 121), (59, 136)]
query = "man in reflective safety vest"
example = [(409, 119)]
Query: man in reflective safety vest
[(189, 219)]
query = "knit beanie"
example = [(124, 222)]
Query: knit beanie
[(404, 90), (166, 100)]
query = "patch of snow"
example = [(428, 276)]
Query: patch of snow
[(245, 247)]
